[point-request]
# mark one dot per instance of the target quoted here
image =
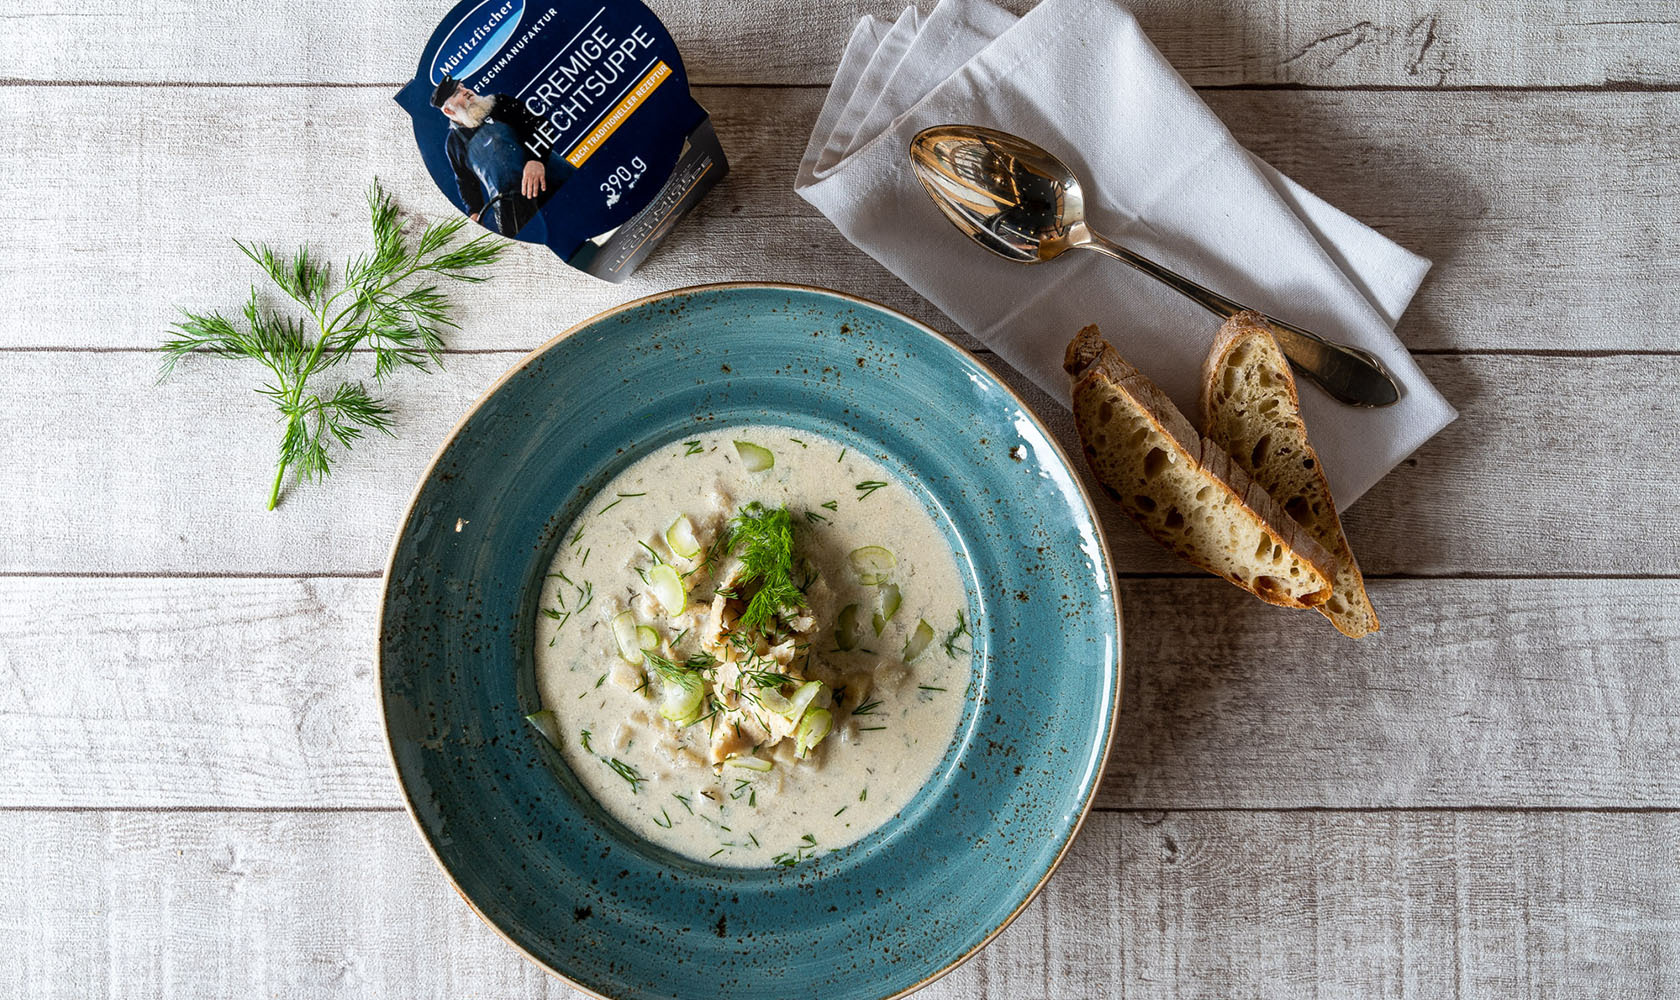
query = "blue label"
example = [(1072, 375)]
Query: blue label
[(585, 102)]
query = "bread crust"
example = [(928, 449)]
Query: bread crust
[(1349, 608), (1100, 372)]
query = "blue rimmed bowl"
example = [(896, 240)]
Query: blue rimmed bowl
[(539, 860)]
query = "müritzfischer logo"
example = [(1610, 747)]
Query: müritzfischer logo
[(476, 37)]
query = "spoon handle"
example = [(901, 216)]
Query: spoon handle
[(1347, 373)]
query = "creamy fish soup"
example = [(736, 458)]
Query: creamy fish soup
[(753, 647)]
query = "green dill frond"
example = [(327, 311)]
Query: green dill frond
[(763, 538), (207, 333), (402, 327), (300, 275)]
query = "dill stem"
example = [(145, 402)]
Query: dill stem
[(274, 494), (297, 394)]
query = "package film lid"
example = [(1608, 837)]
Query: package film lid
[(565, 124)]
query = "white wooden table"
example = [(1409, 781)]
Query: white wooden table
[(1483, 800)]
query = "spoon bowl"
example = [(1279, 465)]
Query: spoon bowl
[(1008, 195), (1021, 202)]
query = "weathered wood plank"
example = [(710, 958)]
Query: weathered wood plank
[(1392, 905), (108, 472), (191, 693), (1413, 43), (140, 693), (1494, 188)]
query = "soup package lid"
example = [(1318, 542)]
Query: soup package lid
[(566, 124)]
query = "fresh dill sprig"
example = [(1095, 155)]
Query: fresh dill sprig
[(764, 537), (867, 487), (377, 308)]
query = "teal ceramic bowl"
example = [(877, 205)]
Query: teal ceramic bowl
[(554, 874)]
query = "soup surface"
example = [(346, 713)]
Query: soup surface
[(747, 744)]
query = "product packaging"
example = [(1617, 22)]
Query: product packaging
[(568, 124)]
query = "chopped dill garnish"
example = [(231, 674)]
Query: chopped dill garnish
[(842, 457), (799, 442), (831, 505), (714, 853), (927, 687), (870, 729), (764, 536), (760, 678), (600, 680), (655, 555), (562, 576), (951, 647), (667, 823), (583, 741), (867, 708), (863, 796), (673, 672), (687, 802), (585, 560), (629, 773), (576, 538), (841, 810), (609, 506), (815, 518), (752, 838), (807, 849), (561, 618), (693, 448), (626, 495), (867, 487)]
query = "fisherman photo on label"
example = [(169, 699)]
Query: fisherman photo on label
[(500, 160)]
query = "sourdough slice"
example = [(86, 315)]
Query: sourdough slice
[(1182, 488), (1250, 408)]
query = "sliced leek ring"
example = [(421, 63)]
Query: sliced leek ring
[(755, 457), (873, 564), (918, 640), (546, 724), (812, 729), (680, 537), (624, 634), (668, 589)]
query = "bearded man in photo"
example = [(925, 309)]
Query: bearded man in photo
[(500, 159)]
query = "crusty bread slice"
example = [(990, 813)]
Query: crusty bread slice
[(1183, 489), (1250, 408)]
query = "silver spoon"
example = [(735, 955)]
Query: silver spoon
[(1020, 202)]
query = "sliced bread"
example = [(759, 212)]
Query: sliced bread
[(1251, 409), (1182, 488)]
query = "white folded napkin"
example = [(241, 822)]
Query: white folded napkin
[(1161, 174)]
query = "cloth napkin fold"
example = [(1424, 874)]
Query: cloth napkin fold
[(1161, 175)]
